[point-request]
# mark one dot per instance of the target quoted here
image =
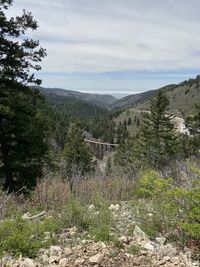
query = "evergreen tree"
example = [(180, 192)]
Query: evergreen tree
[(158, 138), (193, 124), (22, 122), (77, 154)]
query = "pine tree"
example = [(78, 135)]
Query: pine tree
[(158, 138), (193, 124), (22, 120), (77, 154)]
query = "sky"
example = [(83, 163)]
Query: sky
[(116, 47)]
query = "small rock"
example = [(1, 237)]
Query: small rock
[(64, 236), (28, 263), (140, 235), (68, 251), (73, 231), (63, 262), (55, 251), (161, 240), (79, 262), (91, 207), (26, 216), (148, 246), (96, 259), (114, 207), (124, 239), (166, 258)]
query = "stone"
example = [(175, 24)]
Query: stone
[(96, 259), (91, 208), (26, 216), (68, 251), (79, 262), (124, 239), (140, 235), (63, 262), (64, 236), (114, 207), (28, 263), (160, 240), (166, 258), (148, 246), (55, 251), (73, 231)]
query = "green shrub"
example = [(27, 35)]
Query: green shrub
[(134, 250), (75, 214), (26, 238), (101, 223), (173, 208)]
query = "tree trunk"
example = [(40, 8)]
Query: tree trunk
[(9, 184)]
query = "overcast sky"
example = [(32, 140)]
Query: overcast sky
[(116, 46)]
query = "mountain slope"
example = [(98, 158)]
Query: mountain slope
[(95, 99), (134, 100), (183, 97)]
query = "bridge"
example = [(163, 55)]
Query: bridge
[(101, 148)]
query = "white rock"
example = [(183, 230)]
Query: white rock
[(161, 240), (68, 251), (124, 239), (166, 258), (64, 236), (96, 259), (79, 262), (140, 235), (55, 251), (73, 231), (114, 207), (63, 262), (91, 207), (148, 246), (28, 263), (26, 216)]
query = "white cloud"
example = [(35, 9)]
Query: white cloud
[(115, 35)]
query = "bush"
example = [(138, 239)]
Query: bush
[(170, 208), (26, 238), (101, 223)]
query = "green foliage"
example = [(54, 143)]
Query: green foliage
[(75, 214), (98, 223), (26, 238), (22, 135), (158, 139), (134, 250), (101, 224), (22, 122), (172, 208), (77, 154)]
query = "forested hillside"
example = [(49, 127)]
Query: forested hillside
[(183, 97), (103, 101)]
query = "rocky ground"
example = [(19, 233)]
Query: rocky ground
[(78, 249)]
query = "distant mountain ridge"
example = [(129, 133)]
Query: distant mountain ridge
[(182, 96), (103, 101), (136, 99)]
